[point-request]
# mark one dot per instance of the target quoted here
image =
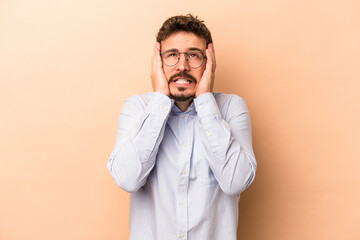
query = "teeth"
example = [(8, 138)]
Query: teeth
[(182, 81)]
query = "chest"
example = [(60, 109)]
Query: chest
[(182, 155)]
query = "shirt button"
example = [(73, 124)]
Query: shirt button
[(181, 236), (183, 172), (165, 108), (209, 134), (181, 203), (200, 107), (184, 144), (182, 115), (153, 135)]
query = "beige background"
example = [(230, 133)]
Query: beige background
[(66, 66)]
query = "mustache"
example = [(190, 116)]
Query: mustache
[(182, 74)]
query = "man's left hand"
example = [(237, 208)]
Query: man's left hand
[(207, 80)]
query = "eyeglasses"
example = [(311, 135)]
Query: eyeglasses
[(194, 58)]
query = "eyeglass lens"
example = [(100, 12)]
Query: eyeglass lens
[(194, 58)]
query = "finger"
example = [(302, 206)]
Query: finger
[(213, 65), (157, 56), (212, 56), (153, 59), (157, 46), (213, 51), (209, 62)]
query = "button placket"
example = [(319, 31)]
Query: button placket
[(186, 127)]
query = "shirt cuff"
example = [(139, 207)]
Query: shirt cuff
[(159, 103), (206, 105)]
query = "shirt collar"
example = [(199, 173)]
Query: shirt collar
[(191, 110)]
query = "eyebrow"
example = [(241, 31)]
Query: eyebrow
[(195, 49), (171, 50), (177, 50)]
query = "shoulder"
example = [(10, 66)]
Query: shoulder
[(230, 105), (147, 102), (136, 102), (225, 100), (143, 99), (219, 96)]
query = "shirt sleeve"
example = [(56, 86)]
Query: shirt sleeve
[(140, 131), (226, 136)]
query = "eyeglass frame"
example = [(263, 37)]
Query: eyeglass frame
[(186, 57)]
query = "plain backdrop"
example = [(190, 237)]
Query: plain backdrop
[(66, 66)]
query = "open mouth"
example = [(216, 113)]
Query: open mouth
[(182, 81)]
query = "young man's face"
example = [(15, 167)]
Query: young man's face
[(182, 78)]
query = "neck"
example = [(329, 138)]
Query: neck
[(183, 105)]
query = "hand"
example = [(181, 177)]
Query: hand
[(206, 83), (158, 78)]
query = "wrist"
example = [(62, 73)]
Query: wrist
[(198, 93), (163, 91)]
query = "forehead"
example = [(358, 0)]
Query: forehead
[(183, 41)]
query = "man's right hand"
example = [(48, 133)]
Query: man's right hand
[(158, 78)]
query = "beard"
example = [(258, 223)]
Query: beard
[(181, 96)]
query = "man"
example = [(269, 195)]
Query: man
[(183, 152)]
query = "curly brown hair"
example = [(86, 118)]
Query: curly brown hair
[(187, 23)]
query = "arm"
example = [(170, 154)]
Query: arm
[(140, 131), (227, 142)]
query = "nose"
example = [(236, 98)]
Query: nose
[(183, 64)]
